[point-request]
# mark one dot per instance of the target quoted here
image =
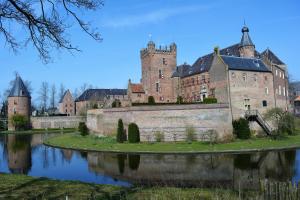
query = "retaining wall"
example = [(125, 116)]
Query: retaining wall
[(56, 122), (171, 121)]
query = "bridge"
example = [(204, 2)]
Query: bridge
[(254, 115)]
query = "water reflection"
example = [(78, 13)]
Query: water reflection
[(27, 155)]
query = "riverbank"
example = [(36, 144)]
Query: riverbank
[(26, 187), (41, 131), (109, 144)]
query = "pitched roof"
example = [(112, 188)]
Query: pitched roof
[(19, 89), (246, 40), (203, 63), (245, 64), (99, 94), (63, 96), (272, 57), (137, 88)]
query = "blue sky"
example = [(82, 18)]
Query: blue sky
[(196, 26)]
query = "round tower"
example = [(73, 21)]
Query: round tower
[(19, 101), (246, 48)]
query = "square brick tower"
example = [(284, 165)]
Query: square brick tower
[(158, 66)]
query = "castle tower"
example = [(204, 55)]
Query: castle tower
[(246, 48), (19, 101), (158, 64)]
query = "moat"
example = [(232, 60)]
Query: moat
[(26, 154)]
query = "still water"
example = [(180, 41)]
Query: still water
[(26, 154)]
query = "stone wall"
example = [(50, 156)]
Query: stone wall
[(171, 120), (56, 122)]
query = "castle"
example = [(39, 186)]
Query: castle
[(238, 75)]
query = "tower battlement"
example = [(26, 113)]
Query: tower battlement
[(151, 48)]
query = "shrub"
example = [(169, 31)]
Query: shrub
[(241, 128), (133, 133), (95, 106), (283, 121), (116, 103), (20, 122), (2, 125), (121, 135), (159, 136), (83, 129), (151, 100), (210, 100), (190, 134), (179, 100)]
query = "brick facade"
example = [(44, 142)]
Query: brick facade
[(67, 104)]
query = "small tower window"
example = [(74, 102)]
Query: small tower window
[(160, 74), (157, 87), (264, 103), (164, 61)]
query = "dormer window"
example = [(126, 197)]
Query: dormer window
[(22, 92)]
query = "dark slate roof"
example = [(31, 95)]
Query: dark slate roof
[(181, 70), (63, 96), (246, 40), (99, 94), (203, 63), (272, 57), (245, 64), (19, 89)]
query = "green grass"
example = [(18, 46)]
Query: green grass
[(76, 141), (26, 187), (40, 131)]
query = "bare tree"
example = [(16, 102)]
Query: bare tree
[(45, 23), (44, 95), (75, 94), (53, 96), (61, 91), (84, 87)]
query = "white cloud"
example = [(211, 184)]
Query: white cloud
[(152, 17)]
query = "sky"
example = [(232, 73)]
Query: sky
[(196, 26)]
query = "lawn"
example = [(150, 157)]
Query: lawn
[(75, 141), (26, 187)]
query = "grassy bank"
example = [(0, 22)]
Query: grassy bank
[(75, 141), (40, 131), (25, 187)]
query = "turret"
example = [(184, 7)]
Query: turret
[(246, 48), (19, 101)]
